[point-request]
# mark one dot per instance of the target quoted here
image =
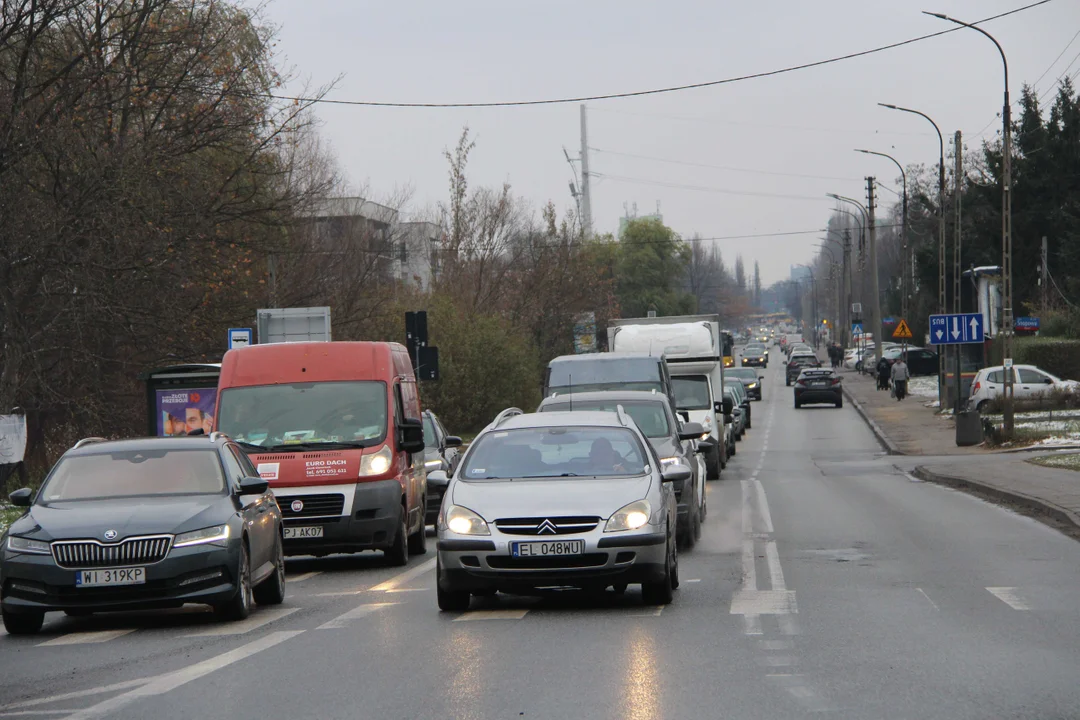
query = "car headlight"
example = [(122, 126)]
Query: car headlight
[(630, 517), (752, 385), (463, 521), (669, 461), (217, 535), (376, 463), (707, 423), (26, 545), (433, 464)]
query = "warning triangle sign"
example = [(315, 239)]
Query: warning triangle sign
[(902, 331)]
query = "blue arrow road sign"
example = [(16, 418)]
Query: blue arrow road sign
[(956, 329), (856, 329)]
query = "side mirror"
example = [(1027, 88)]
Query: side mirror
[(691, 431), (253, 486), (411, 435), (685, 415), (675, 474), (728, 418), (728, 406), (437, 477), (761, 378), (718, 407), (706, 445), (21, 497), (452, 441)]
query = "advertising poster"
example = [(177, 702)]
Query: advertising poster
[(182, 412), (12, 439)]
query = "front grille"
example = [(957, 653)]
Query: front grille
[(506, 562), (312, 505), (84, 554), (547, 526)]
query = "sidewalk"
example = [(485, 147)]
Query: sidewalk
[(907, 427), (1049, 494)]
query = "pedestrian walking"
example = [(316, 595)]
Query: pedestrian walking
[(900, 377), (882, 374)]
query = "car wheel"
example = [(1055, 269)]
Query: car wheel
[(797, 405), (699, 518), (450, 600), (662, 592), (840, 403), (749, 421), (397, 554), (981, 407), (787, 381), (271, 591), (23, 623), (418, 540), (713, 463), (240, 606), (486, 592), (618, 588)]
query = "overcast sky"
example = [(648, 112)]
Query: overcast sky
[(786, 128)]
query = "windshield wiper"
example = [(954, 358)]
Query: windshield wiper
[(327, 445), (249, 446)]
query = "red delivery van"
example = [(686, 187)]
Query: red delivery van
[(336, 429)]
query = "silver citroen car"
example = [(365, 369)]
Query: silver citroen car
[(559, 499)]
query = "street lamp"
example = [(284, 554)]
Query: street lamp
[(941, 201), (813, 302), (1006, 225), (835, 267), (903, 231), (875, 296)]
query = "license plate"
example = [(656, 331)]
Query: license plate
[(548, 548), (117, 576), (820, 383), (311, 531)]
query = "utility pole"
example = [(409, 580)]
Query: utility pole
[(586, 192), (875, 301), (847, 285), (1043, 279), (958, 186)]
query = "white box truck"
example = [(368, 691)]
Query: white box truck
[(693, 347)]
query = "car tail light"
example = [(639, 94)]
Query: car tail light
[(800, 384), (976, 388), (836, 381)]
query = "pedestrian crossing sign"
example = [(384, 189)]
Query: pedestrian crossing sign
[(902, 331)]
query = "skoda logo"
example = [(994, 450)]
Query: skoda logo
[(110, 535), (297, 505), (547, 527)]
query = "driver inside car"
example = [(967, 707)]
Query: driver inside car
[(604, 459)]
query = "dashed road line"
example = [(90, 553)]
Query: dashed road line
[(923, 593), (506, 614), (303, 576), (405, 577), (1010, 596), (356, 613), (255, 621), (85, 638)]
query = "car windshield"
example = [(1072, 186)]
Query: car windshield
[(742, 373), (296, 416), (691, 392), (135, 473), (755, 348), (555, 452), (429, 432), (650, 417)]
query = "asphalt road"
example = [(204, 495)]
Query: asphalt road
[(827, 581)]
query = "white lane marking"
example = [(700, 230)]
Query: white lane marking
[(509, 614), (778, 661), (747, 518), (923, 593), (303, 576), (776, 644), (788, 626), (256, 620), (127, 684), (37, 713), (752, 625), (776, 573), (692, 580), (402, 590), (340, 593), (356, 613), (170, 681), (1010, 596), (405, 576), (83, 638), (763, 506)]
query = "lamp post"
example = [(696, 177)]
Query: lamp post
[(835, 267), (903, 231), (847, 269), (941, 234), (813, 302), (1006, 225), (875, 299)]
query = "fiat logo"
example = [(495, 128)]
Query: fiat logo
[(297, 505), (110, 534)]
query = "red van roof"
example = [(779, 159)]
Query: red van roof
[(308, 362)]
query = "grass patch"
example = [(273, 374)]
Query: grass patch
[(8, 515), (1068, 461)]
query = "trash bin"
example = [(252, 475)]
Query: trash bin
[(968, 428)]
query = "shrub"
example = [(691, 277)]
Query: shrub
[(1057, 356)]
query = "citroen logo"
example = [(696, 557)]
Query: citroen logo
[(110, 534), (547, 527)]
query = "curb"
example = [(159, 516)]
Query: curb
[(887, 442), (1037, 506)]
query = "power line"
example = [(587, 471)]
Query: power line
[(1063, 50), (656, 91), (721, 167), (701, 188)]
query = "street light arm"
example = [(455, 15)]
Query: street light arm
[(903, 175), (856, 203), (941, 139), (1004, 62)]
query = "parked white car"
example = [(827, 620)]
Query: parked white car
[(1028, 382)]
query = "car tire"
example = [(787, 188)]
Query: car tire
[(840, 403), (699, 519), (450, 600), (79, 613), (981, 407), (713, 464), (418, 540), (271, 591), (787, 381), (239, 607), (397, 555), (797, 405), (662, 592), (486, 592), (749, 421), (23, 623)]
